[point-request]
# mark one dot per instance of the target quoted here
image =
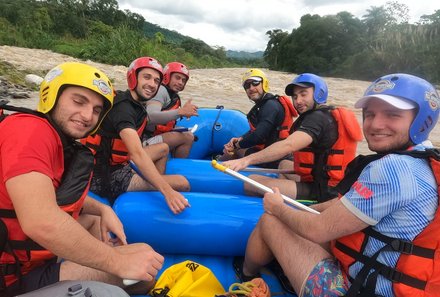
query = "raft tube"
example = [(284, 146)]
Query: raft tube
[(215, 224), (204, 178), (216, 126)]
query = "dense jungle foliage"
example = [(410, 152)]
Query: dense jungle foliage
[(341, 45), (98, 30)]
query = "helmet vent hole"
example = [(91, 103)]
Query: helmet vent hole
[(97, 75), (429, 122), (394, 78)]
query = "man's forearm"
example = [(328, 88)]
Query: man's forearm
[(149, 171), (67, 239), (158, 116), (274, 152), (163, 117), (93, 206)]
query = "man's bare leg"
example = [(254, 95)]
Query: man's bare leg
[(180, 143), (177, 182), (296, 255), (288, 165), (286, 186)]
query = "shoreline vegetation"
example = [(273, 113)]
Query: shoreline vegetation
[(207, 87)]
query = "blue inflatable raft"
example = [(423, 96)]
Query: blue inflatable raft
[(211, 232), (216, 126), (216, 227)]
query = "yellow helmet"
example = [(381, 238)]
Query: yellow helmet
[(75, 74), (253, 73)]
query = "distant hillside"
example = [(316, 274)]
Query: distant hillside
[(241, 55), (172, 37), (175, 37)]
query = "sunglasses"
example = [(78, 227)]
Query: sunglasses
[(248, 84)]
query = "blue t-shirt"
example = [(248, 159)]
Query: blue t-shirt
[(397, 195)]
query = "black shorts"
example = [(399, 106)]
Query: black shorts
[(42, 276), (310, 191), (120, 178)]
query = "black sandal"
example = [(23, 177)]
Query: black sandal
[(276, 269), (238, 268)]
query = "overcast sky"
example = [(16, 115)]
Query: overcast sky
[(242, 24)]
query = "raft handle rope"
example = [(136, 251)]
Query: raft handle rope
[(262, 187), (216, 126)]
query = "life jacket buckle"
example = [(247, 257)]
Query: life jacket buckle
[(402, 246), (393, 275)]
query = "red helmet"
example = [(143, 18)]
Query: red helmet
[(142, 62), (172, 67)]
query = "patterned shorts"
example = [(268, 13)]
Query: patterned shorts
[(120, 178), (326, 279)]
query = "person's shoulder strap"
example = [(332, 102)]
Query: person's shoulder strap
[(5, 106), (353, 171)]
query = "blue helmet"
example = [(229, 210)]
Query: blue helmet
[(418, 92), (307, 80)]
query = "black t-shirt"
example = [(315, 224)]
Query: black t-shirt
[(126, 113), (320, 125), (266, 116)]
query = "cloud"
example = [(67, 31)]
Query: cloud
[(242, 24)]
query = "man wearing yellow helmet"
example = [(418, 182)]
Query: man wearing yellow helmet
[(165, 108), (266, 118), (45, 212)]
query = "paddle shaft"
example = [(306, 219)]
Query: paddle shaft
[(268, 170), (262, 187)]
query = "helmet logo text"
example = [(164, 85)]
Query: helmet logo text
[(433, 100), (51, 75), (102, 86), (381, 86), (154, 63)]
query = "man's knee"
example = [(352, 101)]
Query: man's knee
[(184, 185), (158, 149), (267, 223), (189, 138), (164, 148)]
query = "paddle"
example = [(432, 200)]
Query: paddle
[(260, 186), (129, 282), (184, 129), (268, 170)]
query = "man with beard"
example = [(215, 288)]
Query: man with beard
[(118, 141), (270, 119), (323, 142)]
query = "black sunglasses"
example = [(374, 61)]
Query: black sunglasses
[(248, 84)]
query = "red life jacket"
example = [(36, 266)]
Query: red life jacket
[(174, 104), (339, 155), (18, 253), (119, 152), (417, 271), (289, 114)]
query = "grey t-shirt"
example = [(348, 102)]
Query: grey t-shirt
[(155, 113)]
